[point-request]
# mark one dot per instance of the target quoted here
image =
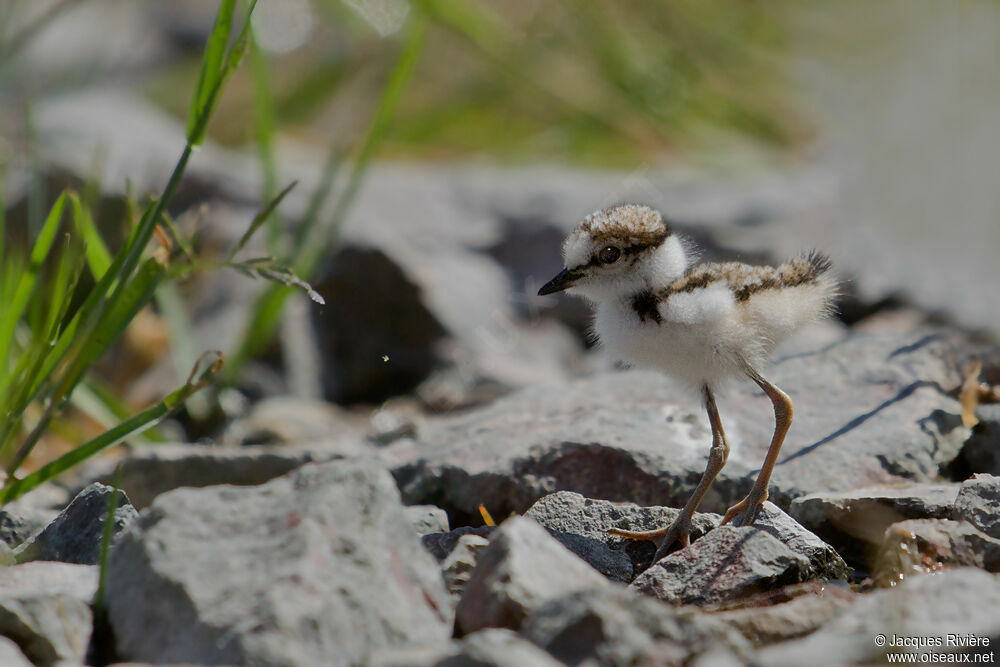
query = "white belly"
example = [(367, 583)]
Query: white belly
[(698, 354)]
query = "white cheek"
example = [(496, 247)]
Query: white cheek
[(669, 261)]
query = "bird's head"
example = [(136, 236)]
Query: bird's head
[(618, 251)]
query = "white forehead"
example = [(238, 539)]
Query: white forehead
[(628, 224)]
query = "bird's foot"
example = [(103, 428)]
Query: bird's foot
[(679, 532), (746, 509)]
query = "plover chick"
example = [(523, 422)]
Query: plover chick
[(703, 323)]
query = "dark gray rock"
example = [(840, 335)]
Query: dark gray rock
[(45, 608), (863, 514), (982, 451), (582, 524), (978, 503), (868, 410), (961, 601), (76, 535), (918, 546), (734, 561), (727, 563), (824, 561), (615, 627), (427, 519), (520, 569), (317, 564), (442, 544), (149, 471)]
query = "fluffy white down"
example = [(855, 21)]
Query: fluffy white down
[(706, 335)]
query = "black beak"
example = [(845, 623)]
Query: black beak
[(562, 281)]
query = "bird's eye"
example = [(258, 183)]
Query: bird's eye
[(609, 254)]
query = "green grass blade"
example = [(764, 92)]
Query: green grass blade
[(416, 38), (215, 73), (26, 284), (15, 488), (106, 535), (316, 241), (265, 129), (98, 256), (209, 78), (136, 294), (258, 220)]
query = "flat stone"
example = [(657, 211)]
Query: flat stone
[(918, 546), (961, 602), (317, 563), (733, 561), (843, 517), (490, 647), (978, 503), (291, 420), (427, 519), (785, 613), (871, 409), (582, 524), (149, 471), (613, 626), (77, 534), (45, 609), (521, 568)]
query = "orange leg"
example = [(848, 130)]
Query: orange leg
[(782, 421), (679, 531)]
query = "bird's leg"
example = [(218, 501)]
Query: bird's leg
[(782, 421), (679, 531)]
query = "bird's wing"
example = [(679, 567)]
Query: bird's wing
[(710, 291)]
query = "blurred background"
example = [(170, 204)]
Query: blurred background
[(442, 148)]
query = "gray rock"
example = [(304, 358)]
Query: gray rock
[(76, 535), (978, 503), (15, 527), (727, 563), (491, 647), (149, 471), (844, 518), (45, 609), (317, 565), (786, 613), (868, 410), (734, 561), (962, 601), (581, 525), (918, 546), (824, 561), (442, 544), (22, 518), (615, 627), (292, 420), (458, 565), (11, 655), (427, 519), (521, 569)]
